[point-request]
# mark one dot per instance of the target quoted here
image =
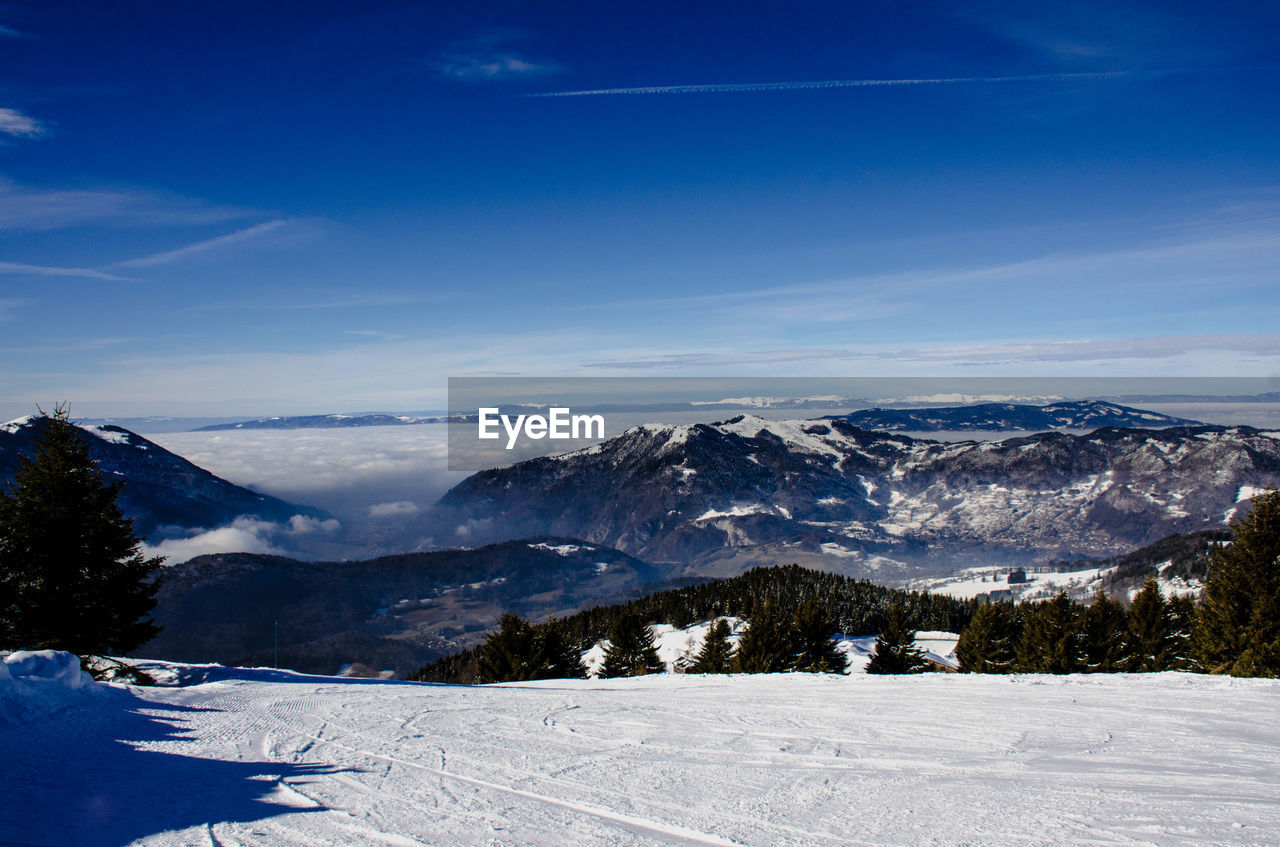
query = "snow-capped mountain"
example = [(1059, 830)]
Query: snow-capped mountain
[(1002, 417), (164, 493), (859, 499)]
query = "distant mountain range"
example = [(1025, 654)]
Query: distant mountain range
[(392, 612), (1005, 417), (324, 422), (722, 497), (164, 493)]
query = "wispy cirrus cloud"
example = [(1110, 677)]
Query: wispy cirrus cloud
[(222, 241), (1136, 34), (46, 270), (18, 125), (489, 57), (38, 208), (80, 345), (1179, 264), (806, 85)]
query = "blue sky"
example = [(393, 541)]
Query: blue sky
[(259, 208)]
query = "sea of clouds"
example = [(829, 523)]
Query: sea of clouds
[(378, 483)]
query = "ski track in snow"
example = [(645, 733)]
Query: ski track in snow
[(274, 758)]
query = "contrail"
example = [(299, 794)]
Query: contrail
[(722, 88)]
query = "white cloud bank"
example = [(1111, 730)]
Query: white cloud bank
[(243, 535), (400, 508)]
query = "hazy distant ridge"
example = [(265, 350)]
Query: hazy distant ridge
[(323, 422), (998, 417)]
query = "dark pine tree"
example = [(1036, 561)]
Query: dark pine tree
[(895, 647), (1151, 631), (1238, 628), (766, 645), (509, 653), (815, 652), (716, 656), (560, 657), (631, 651), (1105, 636), (1051, 640), (989, 643), (1182, 654), (72, 573)]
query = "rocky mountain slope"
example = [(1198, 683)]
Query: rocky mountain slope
[(832, 495), (164, 493)]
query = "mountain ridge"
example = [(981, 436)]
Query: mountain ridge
[(1007, 417), (396, 611), (698, 493), (164, 494)]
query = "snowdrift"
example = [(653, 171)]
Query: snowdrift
[(35, 681)]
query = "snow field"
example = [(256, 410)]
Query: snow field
[(256, 757)]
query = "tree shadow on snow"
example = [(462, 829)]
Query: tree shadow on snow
[(82, 775)]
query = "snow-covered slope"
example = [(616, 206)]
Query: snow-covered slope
[(271, 758), (982, 582)]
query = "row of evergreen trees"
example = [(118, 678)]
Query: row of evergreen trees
[(773, 643), (792, 611), (1059, 636), (853, 605), (1234, 629)]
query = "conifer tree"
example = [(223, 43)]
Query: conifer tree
[(1051, 639), (895, 647), (561, 659), (1105, 636), (517, 651), (1151, 630), (631, 650), (1238, 628), (1182, 615), (716, 655), (72, 573), (815, 652), (766, 645), (989, 643), (509, 653)]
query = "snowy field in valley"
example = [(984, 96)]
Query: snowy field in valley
[(273, 758)]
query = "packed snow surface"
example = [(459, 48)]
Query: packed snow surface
[(274, 758)]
